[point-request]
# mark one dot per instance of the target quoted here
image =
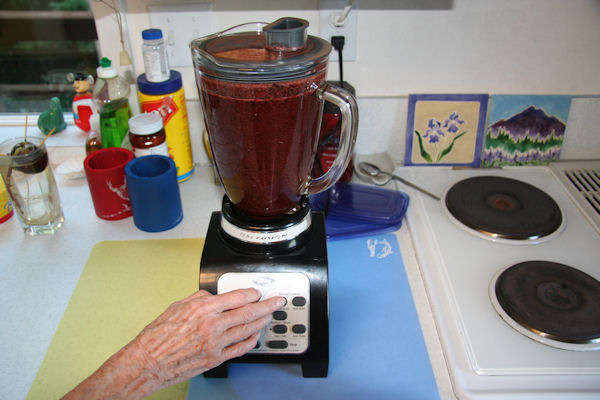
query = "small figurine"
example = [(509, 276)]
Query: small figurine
[(83, 107), (52, 119)]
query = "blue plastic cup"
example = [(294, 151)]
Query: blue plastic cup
[(154, 193)]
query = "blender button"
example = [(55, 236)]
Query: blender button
[(280, 329), (299, 301), (279, 315), (299, 328), (277, 344)]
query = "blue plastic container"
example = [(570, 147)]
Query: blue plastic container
[(357, 210)]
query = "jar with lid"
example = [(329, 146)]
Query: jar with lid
[(147, 135), (156, 64)]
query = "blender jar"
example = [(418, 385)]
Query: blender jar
[(262, 88)]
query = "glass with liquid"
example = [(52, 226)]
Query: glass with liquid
[(30, 184)]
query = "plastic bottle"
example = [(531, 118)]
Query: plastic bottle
[(168, 99), (110, 96), (156, 64)]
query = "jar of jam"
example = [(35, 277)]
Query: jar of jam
[(147, 135)]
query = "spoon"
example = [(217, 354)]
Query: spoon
[(374, 172)]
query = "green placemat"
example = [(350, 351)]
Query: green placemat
[(124, 286)]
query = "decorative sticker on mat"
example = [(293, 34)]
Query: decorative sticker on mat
[(445, 129), (525, 129)]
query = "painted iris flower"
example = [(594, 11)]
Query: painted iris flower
[(435, 132), (452, 123)]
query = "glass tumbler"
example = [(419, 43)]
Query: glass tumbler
[(30, 184)]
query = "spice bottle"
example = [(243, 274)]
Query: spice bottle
[(156, 64), (93, 141), (110, 96), (147, 135)]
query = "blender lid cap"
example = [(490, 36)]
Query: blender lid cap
[(286, 34)]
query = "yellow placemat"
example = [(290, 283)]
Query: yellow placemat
[(124, 286)]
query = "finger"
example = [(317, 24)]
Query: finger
[(234, 299), (240, 332), (240, 348), (250, 312)]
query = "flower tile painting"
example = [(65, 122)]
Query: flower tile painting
[(525, 130), (444, 129)]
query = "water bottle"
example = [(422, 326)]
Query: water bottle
[(111, 98), (156, 64)]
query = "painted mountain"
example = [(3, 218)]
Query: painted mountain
[(529, 137)]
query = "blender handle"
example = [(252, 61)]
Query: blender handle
[(346, 102)]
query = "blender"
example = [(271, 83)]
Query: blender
[(262, 87)]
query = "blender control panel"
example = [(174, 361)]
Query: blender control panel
[(288, 331)]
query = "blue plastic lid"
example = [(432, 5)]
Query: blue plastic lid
[(173, 84), (356, 210), (152, 34)]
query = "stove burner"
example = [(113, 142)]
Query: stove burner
[(551, 300), (503, 208)]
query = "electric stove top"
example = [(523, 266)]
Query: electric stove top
[(464, 264)]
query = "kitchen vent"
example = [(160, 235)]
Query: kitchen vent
[(581, 179)]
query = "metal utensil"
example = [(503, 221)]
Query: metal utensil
[(374, 172)]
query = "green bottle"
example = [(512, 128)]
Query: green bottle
[(110, 97)]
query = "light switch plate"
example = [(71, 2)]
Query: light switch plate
[(180, 24)]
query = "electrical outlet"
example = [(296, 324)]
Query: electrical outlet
[(180, 24), (328, 12)]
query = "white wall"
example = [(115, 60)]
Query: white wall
[(483, 46)]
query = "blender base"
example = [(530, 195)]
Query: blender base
[(301, 336)]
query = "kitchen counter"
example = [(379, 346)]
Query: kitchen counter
[(38, 274)]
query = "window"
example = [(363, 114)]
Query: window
[(41, 41)]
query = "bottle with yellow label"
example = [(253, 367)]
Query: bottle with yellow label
[(168, 99), (6, 210)]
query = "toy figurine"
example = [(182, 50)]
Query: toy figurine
[(52, 119), (83, 107)]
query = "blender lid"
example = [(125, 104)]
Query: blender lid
[(261, 52)]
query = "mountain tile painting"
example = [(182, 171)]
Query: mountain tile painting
[(525, 130)]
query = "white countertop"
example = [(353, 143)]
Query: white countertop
[(38, 275)]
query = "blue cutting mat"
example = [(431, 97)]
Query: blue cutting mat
[(377, 349)]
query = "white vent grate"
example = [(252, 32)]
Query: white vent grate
[(582, 181)]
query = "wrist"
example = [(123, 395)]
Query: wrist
[(125, 375)]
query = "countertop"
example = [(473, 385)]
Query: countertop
[(38, 274)]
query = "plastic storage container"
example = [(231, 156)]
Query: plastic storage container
[(357, 210), (168, 99), (154, 51), (110, 96)]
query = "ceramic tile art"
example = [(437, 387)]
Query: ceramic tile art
[(445, 129), (525, 130)]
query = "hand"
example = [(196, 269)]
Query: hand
[(202, 331), (192, 336)]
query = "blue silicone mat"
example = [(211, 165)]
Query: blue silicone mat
[(377, 350)]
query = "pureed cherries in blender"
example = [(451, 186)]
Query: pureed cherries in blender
[(266, 153), (262, 97)]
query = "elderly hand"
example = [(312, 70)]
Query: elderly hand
[(192, 336)]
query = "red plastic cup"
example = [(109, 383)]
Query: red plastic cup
[(105, 172)]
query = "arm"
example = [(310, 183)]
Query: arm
[(192, 336)]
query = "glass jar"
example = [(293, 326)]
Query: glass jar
[(147, 135)]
